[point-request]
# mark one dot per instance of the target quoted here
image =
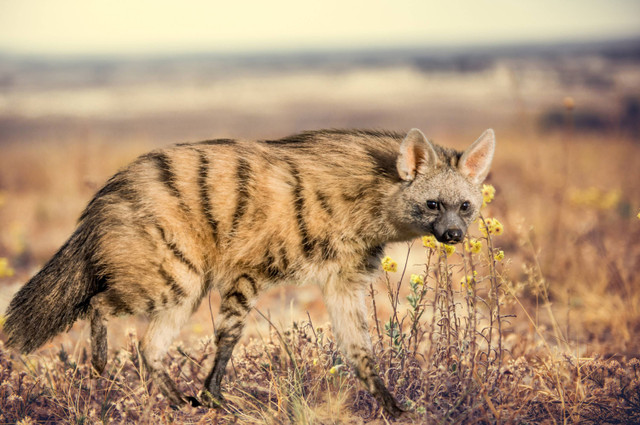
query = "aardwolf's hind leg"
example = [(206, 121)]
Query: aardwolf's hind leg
[(98, 336), (164, 327), (235, 305)]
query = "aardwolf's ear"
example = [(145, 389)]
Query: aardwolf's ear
[(476, 160), (416, 155)]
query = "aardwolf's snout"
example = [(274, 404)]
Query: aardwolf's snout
[(452, 236)]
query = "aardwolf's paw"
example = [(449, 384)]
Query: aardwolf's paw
[(212, 400), (385, 399)]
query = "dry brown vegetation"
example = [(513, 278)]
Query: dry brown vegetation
[(549, 334)]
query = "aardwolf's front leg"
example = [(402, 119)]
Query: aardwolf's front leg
[(345, 302)]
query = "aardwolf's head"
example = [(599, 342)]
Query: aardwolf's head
[(441, 187)]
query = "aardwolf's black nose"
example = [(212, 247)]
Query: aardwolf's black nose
[(453, 235)]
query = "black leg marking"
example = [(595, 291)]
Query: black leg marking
[(384, 397), (234, 308), (240, 299), (226, 340), (252, 282), (366, 371)]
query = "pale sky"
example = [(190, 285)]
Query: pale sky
[(157, 26)]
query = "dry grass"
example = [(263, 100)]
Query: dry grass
[(549, 334)]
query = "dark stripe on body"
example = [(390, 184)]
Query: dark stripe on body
[(243, 175), (298, 201), (269, 268), (294, 141), (118, 185), (204, 194), (117, 302), (177, 290), (324, 203), (326, 248), (168, 178), (384, 163), (209, 142), (283, 259), (176, 251)]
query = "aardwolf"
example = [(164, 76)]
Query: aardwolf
[(242, 216)]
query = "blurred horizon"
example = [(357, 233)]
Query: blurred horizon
[(170, 98)]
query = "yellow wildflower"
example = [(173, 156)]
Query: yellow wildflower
[(469, 280), (17, 238), (315, 362), (488, 192), (490, 226), (484, 226), (333, 370), (5, 268), (449, 249), (430, 241), (388, 265), (417, 279), (473, 245), (497, 227), (638, 216), (595, 198), (610, 199), (499, 255), (2, 320)]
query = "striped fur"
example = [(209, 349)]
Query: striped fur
[(240, 217)]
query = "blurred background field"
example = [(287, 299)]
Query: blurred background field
[(566, 172)]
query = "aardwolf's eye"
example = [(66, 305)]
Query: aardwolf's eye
[(465, 206), (432, 205)]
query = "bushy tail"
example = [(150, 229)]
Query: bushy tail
[(54, 298)]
